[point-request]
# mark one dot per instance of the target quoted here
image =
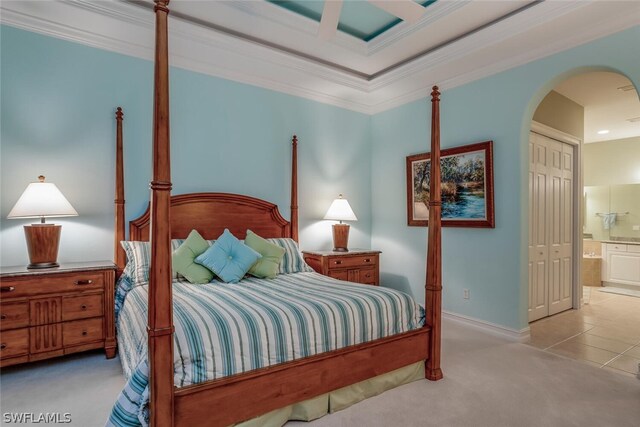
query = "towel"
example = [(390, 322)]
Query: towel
[(608, 220)]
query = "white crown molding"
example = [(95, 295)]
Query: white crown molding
[(486, 37), (127, 29), (521, 335), (420, 90), (214, 42), (55, 26)]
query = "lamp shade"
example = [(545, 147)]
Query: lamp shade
[(42, 199), (340, 211)]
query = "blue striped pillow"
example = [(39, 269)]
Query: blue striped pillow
[(292, 262), (139, 259)]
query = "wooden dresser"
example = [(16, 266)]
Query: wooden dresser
[(56, 311), (357, 265)]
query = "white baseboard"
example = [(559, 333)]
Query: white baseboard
[(521, 335)]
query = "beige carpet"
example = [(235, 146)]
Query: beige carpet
[(488, 382), (491, 382)]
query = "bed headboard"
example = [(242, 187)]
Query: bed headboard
[(211, 213)]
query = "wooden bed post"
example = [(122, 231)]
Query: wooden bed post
[(160, 328), (294, 188), (119, 255), (433, 294)]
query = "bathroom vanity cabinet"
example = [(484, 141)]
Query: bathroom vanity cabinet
[(621, 263)]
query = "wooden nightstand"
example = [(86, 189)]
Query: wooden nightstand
[(56, 311), (357, 265)]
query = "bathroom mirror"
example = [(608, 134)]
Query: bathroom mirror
[(612, 212)]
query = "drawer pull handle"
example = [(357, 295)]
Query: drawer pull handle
[(337, 262), (2, 317), (3, 346), (367, 260), (7, 289), (84, 282), (84, 333), (83, 306)]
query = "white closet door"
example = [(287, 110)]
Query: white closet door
[(538, 233), (560, 228), (551, 174)]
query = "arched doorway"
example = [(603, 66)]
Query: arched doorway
[(585, 113)]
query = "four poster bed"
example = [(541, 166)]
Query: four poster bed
[(399, 332)]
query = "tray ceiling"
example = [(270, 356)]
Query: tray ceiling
[(264, 44), (370, 41), (358, 18)]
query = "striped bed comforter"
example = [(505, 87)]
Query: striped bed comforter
[(223, 329)]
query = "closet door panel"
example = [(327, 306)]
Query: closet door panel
[(568, 239), (567, 281), (561, 241), (531, 258), (555, 223), (538, 220), (551, 169), (541, 287)]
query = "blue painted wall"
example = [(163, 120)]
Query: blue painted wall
[(58, 100), (58, 104), (491, 263)]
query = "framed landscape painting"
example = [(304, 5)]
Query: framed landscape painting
[(467, 187)]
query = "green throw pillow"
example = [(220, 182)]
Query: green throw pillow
[(267, 266), (183, 258)]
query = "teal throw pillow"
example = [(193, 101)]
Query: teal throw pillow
[(183, 259), (267, 266), (228, 258)]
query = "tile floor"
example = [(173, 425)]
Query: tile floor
[(604, 333)]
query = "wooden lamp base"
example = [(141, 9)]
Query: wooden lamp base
[(340, 237), (42, 244)]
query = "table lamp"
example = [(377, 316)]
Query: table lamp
[(41, 200), (340, 211)]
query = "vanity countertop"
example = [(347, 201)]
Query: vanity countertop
[(621, 242)]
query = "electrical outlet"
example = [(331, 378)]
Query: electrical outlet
[(636, 228), (465, 293)]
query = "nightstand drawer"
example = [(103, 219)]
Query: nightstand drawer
[(339, 274), (352, 261), (368, 276), (14, 316), (14, 343), (82, 331), (34, 286), (82, 307)]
